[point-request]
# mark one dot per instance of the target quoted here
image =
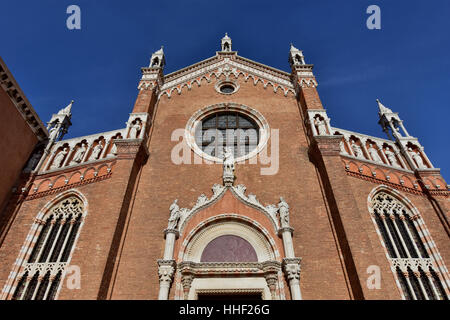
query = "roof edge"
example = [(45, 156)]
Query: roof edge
[(9, 84)]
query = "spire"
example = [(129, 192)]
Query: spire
[(67, 110), (296, 57), (382, 108), (158, 60), (226, 43)]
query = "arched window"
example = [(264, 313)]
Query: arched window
[(46, 265), (409, 258)]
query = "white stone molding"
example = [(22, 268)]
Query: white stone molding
[(216, 66), (270, 210), (202, 203), (199, 115)]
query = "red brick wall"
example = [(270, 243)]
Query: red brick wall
[(162, 181)]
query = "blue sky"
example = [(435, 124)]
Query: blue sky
[(405, 64)]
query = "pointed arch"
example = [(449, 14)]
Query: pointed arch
[(415, 261), (43, 260)]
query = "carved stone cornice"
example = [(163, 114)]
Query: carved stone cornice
[(228, 268)]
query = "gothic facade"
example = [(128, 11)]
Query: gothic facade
[(228, 180)]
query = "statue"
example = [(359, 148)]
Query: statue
[(283, 208), (57, 162), (134, 129), (391, 157), (228, 162), (66, 110), (321, 127), (174, 215), (357, 150), (374, 154), (78, 157), (417, 158), (96, 152)]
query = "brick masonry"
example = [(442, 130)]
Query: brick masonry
[(122, 235)]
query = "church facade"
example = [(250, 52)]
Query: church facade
[(228, 181)]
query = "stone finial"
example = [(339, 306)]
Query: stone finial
[(158, 59), (296, 57), (226, 43), (383, 109), (67, 110)]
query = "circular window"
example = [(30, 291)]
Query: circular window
[(227, 87), (238, 128)]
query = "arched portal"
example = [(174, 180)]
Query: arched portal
[(229, 258)]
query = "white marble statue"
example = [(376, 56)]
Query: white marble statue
[(283, 208), (357, 151), (96, 151), (174, 215), (321, 127), (392, 158), (134, 129), (228, 162), (417, 158), (57, 162), (79, 154), (374, 153)]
